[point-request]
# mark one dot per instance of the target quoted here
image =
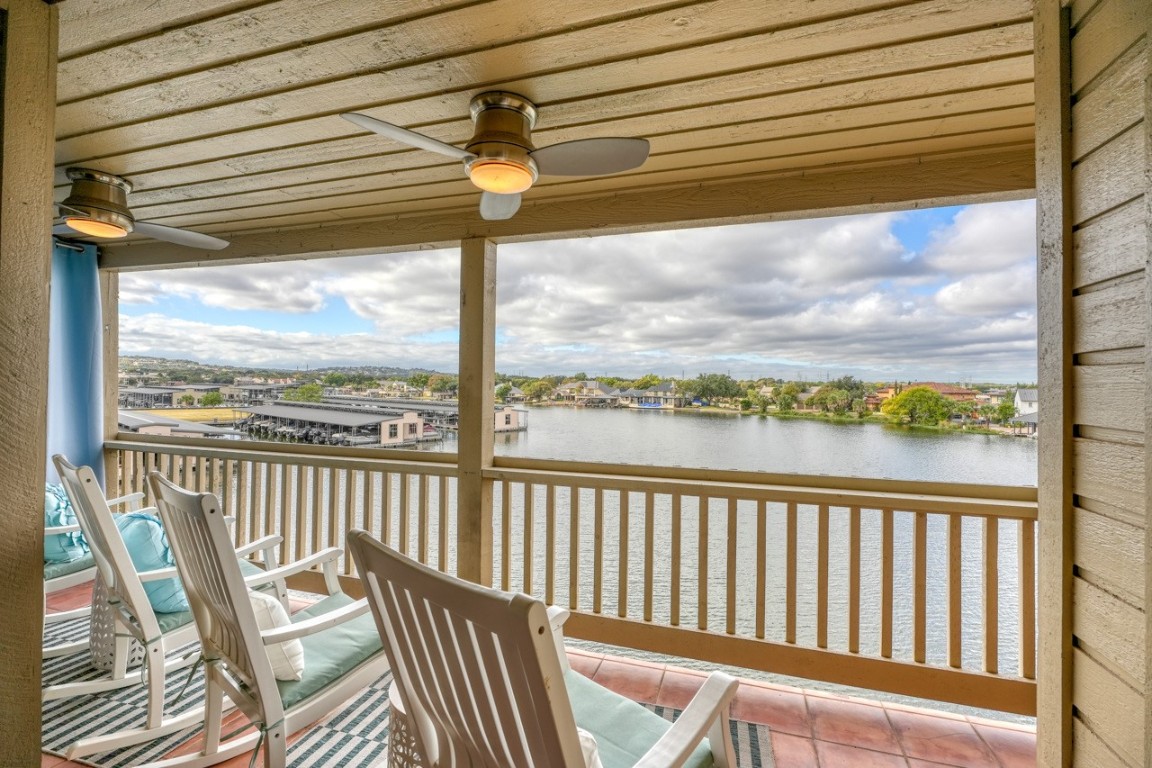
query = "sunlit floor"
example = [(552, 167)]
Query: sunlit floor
[(810, 729)]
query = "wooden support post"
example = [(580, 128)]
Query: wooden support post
[(110, 327), (1147, 377), (1053, 224), (28, 89), (477, 383)]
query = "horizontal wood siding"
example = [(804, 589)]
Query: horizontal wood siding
[(1109, 327)]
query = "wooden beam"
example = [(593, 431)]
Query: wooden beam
[(1054, 255), (476, 386), (28, 86), (997, 174)]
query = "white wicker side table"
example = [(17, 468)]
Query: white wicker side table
[(401, 745), (102, 631)]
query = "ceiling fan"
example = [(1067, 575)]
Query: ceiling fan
[(97, 206), (500, 158)]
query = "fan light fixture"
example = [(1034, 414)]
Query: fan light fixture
[(500, 176), (98, 204)]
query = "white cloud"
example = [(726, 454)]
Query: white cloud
[(838, 294), (985, 237)]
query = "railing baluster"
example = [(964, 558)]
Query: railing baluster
[(991, 567), (649, 551), (422, 518), (226, 488), (920, 588), (854, 580), (761, 563), (790, 575), (270, 499), (573, 547), (1026, 541), (730, 607), (300, 534), (255, 482), (350, 476), (506, 536), (598, 554), (243, 506), (402, 512), (887, 593), (442, 529), (702, 564), (286, 511), (386, 506), (622, 560), (529, 523), (955, 572), (822, 567), (550, 544), (370, 518), (317, 513), (674, 569), (333, 506)]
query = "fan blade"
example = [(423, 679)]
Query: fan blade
[(405, 136), (494, 207), (591, 157), (179, 236)]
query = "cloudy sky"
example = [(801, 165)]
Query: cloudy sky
[(945, 294)]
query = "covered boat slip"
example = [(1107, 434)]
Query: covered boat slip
[(335, 426), (224, 115)]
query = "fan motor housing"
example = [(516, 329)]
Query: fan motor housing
[(100, 196), (504, 123)]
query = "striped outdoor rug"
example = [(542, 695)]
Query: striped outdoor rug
[(356, 735)]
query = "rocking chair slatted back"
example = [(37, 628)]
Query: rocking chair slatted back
[(477, 670)]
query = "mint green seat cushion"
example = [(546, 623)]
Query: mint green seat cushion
[(175, 619), (56, 570), (624, 730), (330, 654)]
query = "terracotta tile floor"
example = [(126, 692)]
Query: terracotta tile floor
[(810, 729)]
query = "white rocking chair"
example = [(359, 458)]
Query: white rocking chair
[(484, 681), (341, 648), (134, 618), (62, 576)]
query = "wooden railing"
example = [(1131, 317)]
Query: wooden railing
[(922, 589), (311, 496)]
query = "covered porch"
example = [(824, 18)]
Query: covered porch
[(225, 117)]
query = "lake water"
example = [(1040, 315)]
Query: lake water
[(769, 444)]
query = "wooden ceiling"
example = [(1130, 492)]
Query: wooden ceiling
[(224, 113)]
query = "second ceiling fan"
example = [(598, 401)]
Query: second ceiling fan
[(500, 157)]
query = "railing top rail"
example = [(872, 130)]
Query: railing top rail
[(369, 459), (999, 501)]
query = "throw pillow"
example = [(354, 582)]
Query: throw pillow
[(287, 658), (147, 544), (61, 547)]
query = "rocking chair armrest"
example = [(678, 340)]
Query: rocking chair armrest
[(316, 623), (323, 557), (260, 545), (709, 704), (133, 500), (556, 618), (158, 573)]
